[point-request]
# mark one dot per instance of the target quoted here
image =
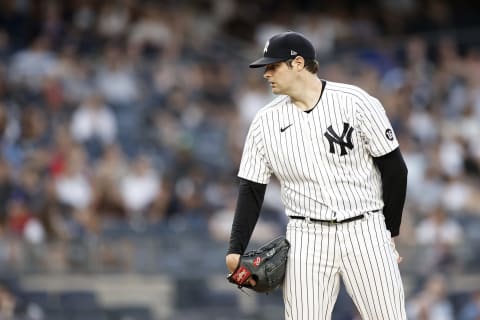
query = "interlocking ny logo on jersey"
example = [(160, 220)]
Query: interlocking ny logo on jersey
[(344, 140)]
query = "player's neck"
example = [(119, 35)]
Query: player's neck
[(305, 95)]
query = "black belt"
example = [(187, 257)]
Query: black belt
[(333, 221)]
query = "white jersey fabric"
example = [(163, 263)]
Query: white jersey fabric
[(323, 158)]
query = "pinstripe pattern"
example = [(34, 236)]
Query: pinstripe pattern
[(359, 252), (323, 160)]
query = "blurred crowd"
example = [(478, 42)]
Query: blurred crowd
[(136, 112)]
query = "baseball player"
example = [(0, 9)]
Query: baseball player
[(343, 185)]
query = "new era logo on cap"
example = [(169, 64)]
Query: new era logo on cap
[(266, 47), (284, 46)]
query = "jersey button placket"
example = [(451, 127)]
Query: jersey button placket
[(311, 132), (309, 148), (313, 151)]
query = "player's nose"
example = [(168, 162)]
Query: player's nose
[(267, 72)]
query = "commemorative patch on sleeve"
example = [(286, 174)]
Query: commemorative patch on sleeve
[(389, 134)]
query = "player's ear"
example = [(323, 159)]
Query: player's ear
[(299, 63)]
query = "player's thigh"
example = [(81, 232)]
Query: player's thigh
[(311, 281), (371, 274)]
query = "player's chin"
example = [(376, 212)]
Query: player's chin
[(276, 90)]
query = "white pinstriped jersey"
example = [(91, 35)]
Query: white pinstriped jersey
[(323, 158)]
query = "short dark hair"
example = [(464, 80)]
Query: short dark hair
[(310, 64)]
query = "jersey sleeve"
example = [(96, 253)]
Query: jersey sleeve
[(375, 127), (254, 165)]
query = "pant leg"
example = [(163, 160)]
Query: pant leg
[(312, 277), (370, 270)]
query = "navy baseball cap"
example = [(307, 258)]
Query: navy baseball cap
[(284, 46)]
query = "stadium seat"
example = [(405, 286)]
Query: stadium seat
[(78, 300), (458, 300), (90, 315), (47, 301), (131, 312), (56, 315)]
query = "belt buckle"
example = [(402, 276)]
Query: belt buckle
[(333, 221), (307, 219)]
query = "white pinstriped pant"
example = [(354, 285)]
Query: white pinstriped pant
[(360, 252)]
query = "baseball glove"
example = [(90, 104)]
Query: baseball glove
[(265, 265)]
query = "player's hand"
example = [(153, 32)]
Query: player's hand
[(399, 257), (232, 260)]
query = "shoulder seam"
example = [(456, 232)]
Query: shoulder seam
[(271, 105)]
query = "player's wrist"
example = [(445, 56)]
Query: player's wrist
[(232, 260)]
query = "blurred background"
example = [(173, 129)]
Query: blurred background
[(122, 124)]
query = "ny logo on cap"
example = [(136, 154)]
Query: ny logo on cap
[(293, 53), (266, 46)]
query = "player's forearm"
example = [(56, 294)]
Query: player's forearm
[(394, 182), (247, 211)]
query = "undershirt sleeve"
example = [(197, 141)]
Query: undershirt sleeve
[(249, 202), (394, 173)]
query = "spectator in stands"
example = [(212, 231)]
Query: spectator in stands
[(60, 149), (419, 72), (72, 71), (139, 188), (113, 19), (30, 186), (10, 250), (161, 208), (5, 49), (27, 141), (471, 310), (439, 227), (51, 216), (472, 71), (119, 83), (6, 188), (73, 185), (22, 223), (431, 303), (248, 100), (74, 194), (323, 30), (152, 32), (460, 195), (53, 25), (192, 210), (94, 125), (31, 65), (440, 235), (53, 97), (110, 169), (450, 77), (116, 79)]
